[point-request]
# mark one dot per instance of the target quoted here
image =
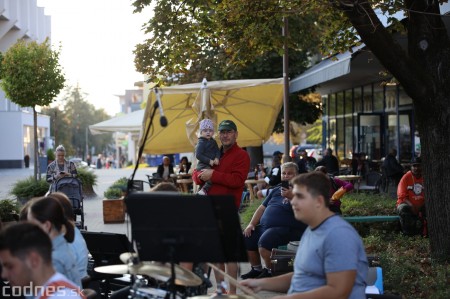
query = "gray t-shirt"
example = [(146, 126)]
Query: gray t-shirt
[(333, 246)]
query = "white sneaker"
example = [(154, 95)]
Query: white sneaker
[(201, 192)]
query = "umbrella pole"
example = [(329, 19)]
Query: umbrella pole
[(286, 91)]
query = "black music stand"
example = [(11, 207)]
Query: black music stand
[(170, 227)]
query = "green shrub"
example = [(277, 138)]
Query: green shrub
[(120, 183), (29, 187), (87, 178), (117, 189), (9, 210), (113, 193)]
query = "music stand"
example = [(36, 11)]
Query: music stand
[(170, 227)]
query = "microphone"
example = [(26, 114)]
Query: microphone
[(162, 118)]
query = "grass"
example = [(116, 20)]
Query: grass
[(407, 267)]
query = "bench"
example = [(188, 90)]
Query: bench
[(369, 219)]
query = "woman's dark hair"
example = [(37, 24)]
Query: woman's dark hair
[(184, 158), (23, 214), (49, 209), (65, 203), (165, 186)]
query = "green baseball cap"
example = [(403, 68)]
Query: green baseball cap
[(227, 125)]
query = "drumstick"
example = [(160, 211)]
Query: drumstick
[(235, 282)]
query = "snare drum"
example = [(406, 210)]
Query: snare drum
[(149, 293)]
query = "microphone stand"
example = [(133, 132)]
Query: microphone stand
[(141, 149)]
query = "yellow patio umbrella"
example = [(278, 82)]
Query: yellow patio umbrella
[(252, 104)]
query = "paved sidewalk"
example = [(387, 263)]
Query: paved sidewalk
[(93, 208)]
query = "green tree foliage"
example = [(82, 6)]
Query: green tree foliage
[(69, 126), (31, 76), (190, 40), (422, 67)]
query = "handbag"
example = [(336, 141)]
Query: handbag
[(282, 261)]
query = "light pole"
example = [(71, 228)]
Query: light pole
[(87, 146)]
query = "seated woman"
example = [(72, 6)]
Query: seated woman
[(338, 189), (78, 245), (49, 215), (185, 165)]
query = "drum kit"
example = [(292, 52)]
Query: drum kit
[(162, 272)]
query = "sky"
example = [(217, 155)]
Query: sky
[(97, 38)]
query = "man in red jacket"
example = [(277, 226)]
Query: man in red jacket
[(228, 177), (411, 201)]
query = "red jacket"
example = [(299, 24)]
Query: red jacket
[(411, 188), (229, 177)]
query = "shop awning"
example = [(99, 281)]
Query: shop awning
[(328, 69)]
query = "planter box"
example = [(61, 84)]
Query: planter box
[(113, 210)]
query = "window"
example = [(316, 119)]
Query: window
[(357, 98), (367, 99), (378, 98), (332, 105), (340, 103)]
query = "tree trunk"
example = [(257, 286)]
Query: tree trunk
[(435, 142), (423, 72), (36, 152)]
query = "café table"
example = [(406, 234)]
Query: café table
[(354, 179), (250, 184)]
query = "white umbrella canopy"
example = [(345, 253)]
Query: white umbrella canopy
[(131, 122), (252, 104)]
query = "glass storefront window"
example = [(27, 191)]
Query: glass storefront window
[(331, 142), (378, 98), (348, 102), (370, 136), (357, 99), (340, 103), (348, 137), (367, 99), (340, 152), (391, 132), (405, 138), (332, 105), (391, 95)]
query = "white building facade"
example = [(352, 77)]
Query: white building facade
[(21, 20)]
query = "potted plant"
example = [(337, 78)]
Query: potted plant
[(9, 210), (113, 205), (88, 180), (28, 188)]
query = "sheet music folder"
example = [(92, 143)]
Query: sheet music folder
[(170, 227)]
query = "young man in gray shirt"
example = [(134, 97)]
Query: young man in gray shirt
[(330, 261)]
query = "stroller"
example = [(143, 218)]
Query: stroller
[(72, 188)]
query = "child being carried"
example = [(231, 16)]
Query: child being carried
[(206, 151)]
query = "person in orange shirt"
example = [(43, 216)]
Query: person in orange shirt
[(411, 201)]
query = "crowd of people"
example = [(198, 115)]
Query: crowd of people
[(299, 202)]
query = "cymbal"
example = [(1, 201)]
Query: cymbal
[(158, 271), (126, 257)]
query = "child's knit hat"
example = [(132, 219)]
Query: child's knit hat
[(206, 124)]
